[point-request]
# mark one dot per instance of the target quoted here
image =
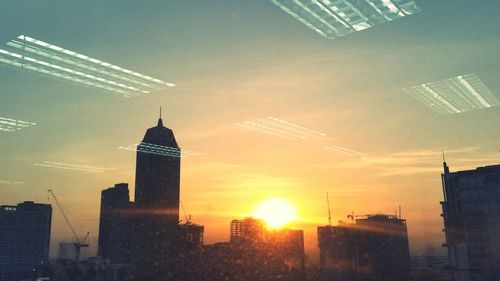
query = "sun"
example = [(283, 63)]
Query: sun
[(276, 212)]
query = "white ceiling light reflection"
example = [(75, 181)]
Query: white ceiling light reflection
[(281, 128), (11, 182), (12, 125), (337, 18), (161, 150), (38, 56), (454, 95), (75, 167), (343, 150)]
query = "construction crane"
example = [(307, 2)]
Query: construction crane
[(79, 244), (187, 219)]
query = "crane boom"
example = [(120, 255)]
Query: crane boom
[(64, 215), (78, 243)]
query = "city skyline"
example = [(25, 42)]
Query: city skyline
[(232, 63)]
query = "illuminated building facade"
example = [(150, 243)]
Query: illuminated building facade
[(248, 229), (24, 239), (375, 247), (471, 215), (337, 18)]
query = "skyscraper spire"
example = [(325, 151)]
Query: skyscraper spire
[(160, 122)]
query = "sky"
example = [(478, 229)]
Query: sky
[(236, 61)]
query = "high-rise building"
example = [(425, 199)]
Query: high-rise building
[(157, 178), (191, 235), (471, 214), (24, 239), (155, 228), (114, 224), (248, 229), (374, 247)]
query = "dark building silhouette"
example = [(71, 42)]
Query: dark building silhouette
[(146, 234), (471, 213), (375, 247), (255, 254), (156, 236), (288, 245), (24, 239), (192, 237), (157, 176), (430, 268), (114, 224)]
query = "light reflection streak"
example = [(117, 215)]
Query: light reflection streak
[(161, 150), (10, 182), (337, 18), (75, 167), (454, 95), (12, 125), (281, 128), (39, 56), (344, 150)]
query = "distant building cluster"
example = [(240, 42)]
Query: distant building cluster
[(146, 240)]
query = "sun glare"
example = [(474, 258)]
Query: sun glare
[(276, 212)]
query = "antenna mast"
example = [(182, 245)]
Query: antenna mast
[(329, 213)]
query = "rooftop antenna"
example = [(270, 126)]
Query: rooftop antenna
[(399, 211), (329, 213), (160, 111), (445, 165)]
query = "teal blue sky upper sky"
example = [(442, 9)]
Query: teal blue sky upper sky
[(234, 61)]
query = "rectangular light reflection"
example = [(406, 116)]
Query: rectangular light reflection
[(161, 150), (344, 150), (75, 167), (12, 125), (281, 128), (337, 18), (38, 56), (10, 182), (454, 95)]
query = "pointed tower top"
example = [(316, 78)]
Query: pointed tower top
[(160, 122)]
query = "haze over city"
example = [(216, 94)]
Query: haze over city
[(358, 135)]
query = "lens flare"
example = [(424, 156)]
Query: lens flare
[(276, 212)]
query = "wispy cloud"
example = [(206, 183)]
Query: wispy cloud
[(416, 161)]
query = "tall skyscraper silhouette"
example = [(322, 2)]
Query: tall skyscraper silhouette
[(155, 224), (157, 180)]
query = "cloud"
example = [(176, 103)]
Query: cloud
[(416, 161)]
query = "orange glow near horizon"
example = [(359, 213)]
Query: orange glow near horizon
[(276, 212)]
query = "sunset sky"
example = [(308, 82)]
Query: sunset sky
[(235, 61)]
